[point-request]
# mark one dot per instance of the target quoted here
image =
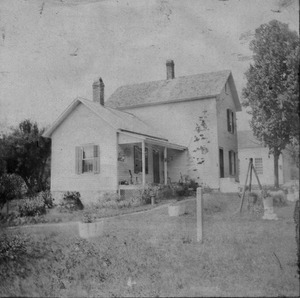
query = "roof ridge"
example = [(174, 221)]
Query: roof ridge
[(179, 77)]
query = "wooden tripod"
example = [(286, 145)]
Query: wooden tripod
[(250, 169)]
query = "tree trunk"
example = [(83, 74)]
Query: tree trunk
[(276, 176)]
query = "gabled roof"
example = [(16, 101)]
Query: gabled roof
[(246, 139), (117, 119), (185, 88)]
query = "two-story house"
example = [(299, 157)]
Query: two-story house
[(153, 132)]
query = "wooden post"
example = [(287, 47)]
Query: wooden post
[(165, 166), (117, 174), (250, 182), (143, 164), (199, 215), (244, 190)]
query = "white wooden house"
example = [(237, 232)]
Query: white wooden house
[(153, 132)]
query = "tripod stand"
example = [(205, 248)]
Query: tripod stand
[(250, 169)]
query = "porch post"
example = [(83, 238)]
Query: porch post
[(143, 163), (165, 166)]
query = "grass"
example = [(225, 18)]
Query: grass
[(152, 254)]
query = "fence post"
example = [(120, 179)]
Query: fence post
[(199, 215)]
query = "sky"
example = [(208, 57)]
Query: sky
[(51, 51)]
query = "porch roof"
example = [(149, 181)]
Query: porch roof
[(152, 140)]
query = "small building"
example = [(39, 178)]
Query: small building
[(250, 147), (154, 132)]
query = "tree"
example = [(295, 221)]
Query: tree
[(272, 88), (11, 186), (2, 160), (27, 154)]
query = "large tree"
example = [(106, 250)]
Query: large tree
[(27, 154), (272, 89)]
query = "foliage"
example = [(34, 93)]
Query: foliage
[(47, 198), (272, 89), (293, 151), (11, 247), (149, 192), (88, 217), (165, 192), (201, 137), (2, 160), (27, 154), (32, 206), (184, 186), (11, 187), (71, 202)]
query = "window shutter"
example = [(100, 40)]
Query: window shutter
[(228, 120), (232, 121), (96, 165), (234, 163), (78, 160), (230, 163)]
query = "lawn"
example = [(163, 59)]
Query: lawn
[(152, 254)]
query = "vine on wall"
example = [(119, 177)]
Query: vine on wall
[(201, 138)]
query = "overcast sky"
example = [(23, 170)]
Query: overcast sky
[(51, 51)]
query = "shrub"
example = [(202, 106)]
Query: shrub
[(47, 198), (11, 187), (32, 207), (71, 202), (184, 186), (165, 192), (88, 217), (11, 247)]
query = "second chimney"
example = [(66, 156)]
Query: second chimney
[(98, 91), (170, 69)]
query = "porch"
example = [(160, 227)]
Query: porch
[(144, 160)]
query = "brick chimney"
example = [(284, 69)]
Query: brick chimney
[(170, 69), (98, 91)]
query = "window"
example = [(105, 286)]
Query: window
[(138, 160), (232, 163), (87, 159), (258, 164), (230, 121)]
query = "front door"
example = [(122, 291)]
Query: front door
[(156, 167), (221, 162)]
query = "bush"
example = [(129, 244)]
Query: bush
[(47, 198), (11, 247), (88, 217), (71, 202), (11, 187), (184, 186), (32, 207), (166, 193)]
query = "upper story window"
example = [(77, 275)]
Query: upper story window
[(232, 162), (87, 159), (230, 121), (258, 164), (138, 160)]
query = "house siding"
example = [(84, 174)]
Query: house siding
[(227, 140), (267, 177), (81, 127), (178, 121)]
